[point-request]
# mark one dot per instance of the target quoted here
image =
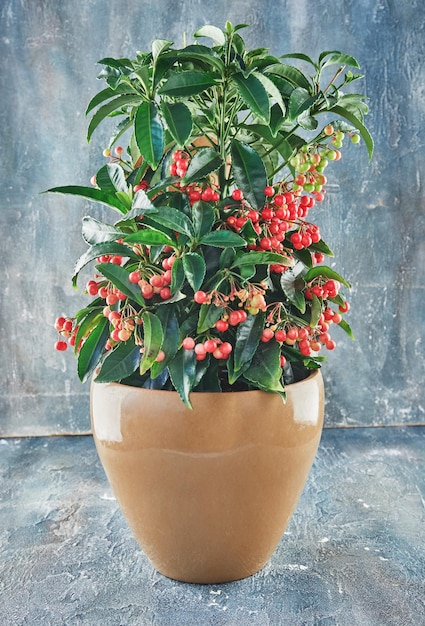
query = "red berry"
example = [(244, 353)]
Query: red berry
[(200, 297), (188, 343), (280, 335), (61, 345), (237, 194), (269, 191), (165, 293), (210, 345), (222, 326), (134, 277)]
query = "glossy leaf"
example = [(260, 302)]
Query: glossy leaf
[(248, 336), (208, 316), (223, 239), (86, 325), (259, 258), (290, 73), (324, 270), (121, 362), (249, 172), (202, 218), (124, 100), (316, 311), (338, 58), (92, 350), (177, 275), (253, 94), (170, 342), (299, 102), (194, 269), (153, 337), (98, 232), (179, 121), (346, 328), (264, 371), (98, 195), (205, 161), (98, 250), (366, 136), (158, 47), (150, 237), (119, 277), (183, 373), (187, 83), (213, 32), (108, 93), (149, 133), (173, 219)]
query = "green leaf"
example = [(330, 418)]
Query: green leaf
[(316, 311), (179, 121), (92, 349), (174, 219), (153, 337), (149, 237), (198, 54), (120, 363), (292, 285), (171, 339), (194, 268), (141, 205), (182, 373), (99, 195), (324, 270), (116, 176), (202, 218), (346, 328), (119, 277), (301, 56), (253, 94), (100, 249), (187, 83), (292, 74), (259, 258), (249, 172), (205, 161), (116, 104), (108, 93), (149, 133), (367, 138), (159, 46), (338, 58), (248, 336), (86, 324), (299, 102), (274, 92), (264, 371), (223, 239), (208, 316), (177, 276), (98, 232), (212, 32)]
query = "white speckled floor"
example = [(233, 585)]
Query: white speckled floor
[(354, 552)]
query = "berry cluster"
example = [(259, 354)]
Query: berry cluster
[(195, 192)]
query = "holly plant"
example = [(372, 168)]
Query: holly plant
[(211, 276)]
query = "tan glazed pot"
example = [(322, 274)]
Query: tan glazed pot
[(207, 493)]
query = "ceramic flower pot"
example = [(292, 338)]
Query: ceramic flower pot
[(207, 493)]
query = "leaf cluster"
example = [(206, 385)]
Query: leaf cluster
[(243, 119)]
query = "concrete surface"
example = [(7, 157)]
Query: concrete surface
[(353, 554)]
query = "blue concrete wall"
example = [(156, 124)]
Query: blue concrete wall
[(375, 215)]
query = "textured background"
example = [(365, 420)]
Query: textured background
[(374, 216)]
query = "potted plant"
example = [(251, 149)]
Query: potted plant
[(211, 299)]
